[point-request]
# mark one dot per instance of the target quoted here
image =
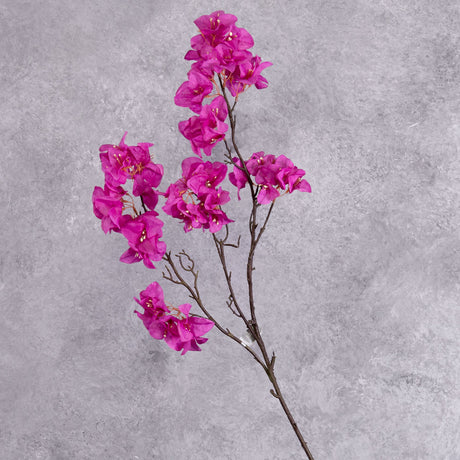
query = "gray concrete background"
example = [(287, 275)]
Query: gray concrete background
[(357, 284)]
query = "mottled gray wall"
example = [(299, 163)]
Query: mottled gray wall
[(357, 284)]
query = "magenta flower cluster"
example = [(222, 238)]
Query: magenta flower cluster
[(173, 325), (222, 64), (220, 49), (273, 175), (143, 230), (195, 198), (116, 208)]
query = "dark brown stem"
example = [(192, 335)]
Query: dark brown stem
[(231, 117), (255, 238), (143, 205), (278, 395), (220, 246), (195, 295)]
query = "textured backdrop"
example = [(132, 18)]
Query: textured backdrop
[(357, 284)]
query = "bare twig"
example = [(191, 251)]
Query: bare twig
[(255, 235), (195, 295)]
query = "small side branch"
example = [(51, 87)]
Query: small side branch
[(220, 247), (175, 277)]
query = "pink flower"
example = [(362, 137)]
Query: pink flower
[(147, 177), (267, 194), (204, 176), (156, 313), (238, 177), (205, 130), (190, 330), (195, 199), (215, 27), (108, 206), (222, 57), (271, 174), (290, 175), (143, 234), (192, 92), (179, 330), (122, 162), (116, 161), (247, 73), (222, 47)]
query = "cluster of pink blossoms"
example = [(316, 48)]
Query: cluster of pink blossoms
[(178, 329), (221, 49), (195, 198), (222, 61), (272, 174), (143, 231)]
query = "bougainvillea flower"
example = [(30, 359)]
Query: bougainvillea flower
[(191, 329), (267, 194), (178, 329), (205, 176), (291, 176), (108, 206), (215, 26), (263, 168), (149, 176), (192, 92), (152, 296), (271, 174), (226, 58), (194, 198), (238, 177), (150, 199), (115, 161), (213, 116), (205, 130), (215, 29), (143, 234), (122, 162), (247, 73), (140, 155), (222, 48), (191, 129), (156, 313)]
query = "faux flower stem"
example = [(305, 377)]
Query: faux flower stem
[(176, 278), (173, 274), (255, 238)]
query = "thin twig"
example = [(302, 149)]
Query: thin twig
[(194, 294), (255, 238)]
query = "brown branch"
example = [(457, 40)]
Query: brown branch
[(194, 294), (252, 324), (220, 246)]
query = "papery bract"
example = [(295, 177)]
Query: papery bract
[(178, 329), (272, 175), (122, 162), (108, 206), (143, 234), (190, 330), (195, 199), (238, 177), (222, 47), (247, 73), (156, 313), (192, 92), (115, 161), (148, 177), (214, 27), (205, 130)]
